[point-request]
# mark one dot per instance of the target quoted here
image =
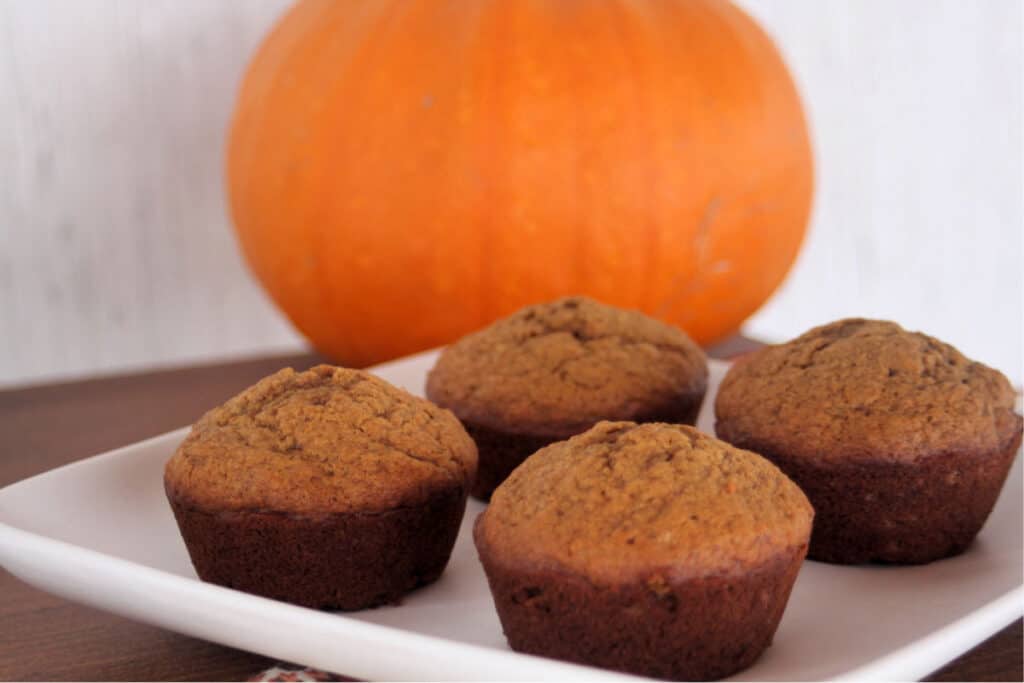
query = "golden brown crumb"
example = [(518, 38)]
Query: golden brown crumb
[(623, 498), (322, 441), (865, 389), (557, 368)]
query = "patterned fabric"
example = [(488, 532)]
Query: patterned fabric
[(285, 672)]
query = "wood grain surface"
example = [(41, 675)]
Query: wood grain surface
[(47, 638)]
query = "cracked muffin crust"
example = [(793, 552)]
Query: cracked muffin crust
[(553, 370), (901, 443), (653, 549), (325, 440), (328, 488)]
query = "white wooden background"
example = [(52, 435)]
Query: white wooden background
[(115, 252)]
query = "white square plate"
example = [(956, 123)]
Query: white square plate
[(100, 532)]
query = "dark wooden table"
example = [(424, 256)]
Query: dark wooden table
[(46, 638)]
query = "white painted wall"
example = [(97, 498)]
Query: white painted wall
[(916, 111), (115, 251)]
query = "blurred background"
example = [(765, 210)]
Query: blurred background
[(116, 252)]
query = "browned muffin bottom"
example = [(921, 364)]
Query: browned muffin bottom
[(343, 561), (900, 442), (328, 488), (652, 549), (553, 370)]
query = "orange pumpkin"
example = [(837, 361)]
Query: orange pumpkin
[(404, 171)]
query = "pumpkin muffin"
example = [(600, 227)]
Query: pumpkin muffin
[(653, 549), (900, 442), (328, 488), (554, 370)]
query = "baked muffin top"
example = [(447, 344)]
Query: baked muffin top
[(865, 390), (624, 501), (327, 440), (555, 369)]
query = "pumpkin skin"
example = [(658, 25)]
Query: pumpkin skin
[(401, 172)]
